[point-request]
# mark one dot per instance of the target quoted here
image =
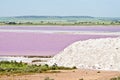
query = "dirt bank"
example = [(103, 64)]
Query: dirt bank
[(67, 75)]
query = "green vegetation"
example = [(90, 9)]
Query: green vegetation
[(47, 78), (116, 78), (38, 56), (14, 67), (39, 60), (63, 23)]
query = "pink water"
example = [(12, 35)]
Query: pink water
[(12, 43), (66, 28)]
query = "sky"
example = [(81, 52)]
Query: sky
[(95, 8)]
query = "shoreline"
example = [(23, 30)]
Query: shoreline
[(61, 25), (64, 32)]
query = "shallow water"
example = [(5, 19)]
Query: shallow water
[(65, 28), (13, 43)]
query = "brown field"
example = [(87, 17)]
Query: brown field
[(66, 75)]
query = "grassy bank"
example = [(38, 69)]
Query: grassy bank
[(13, 67)]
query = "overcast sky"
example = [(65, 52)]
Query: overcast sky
[(98, 8)]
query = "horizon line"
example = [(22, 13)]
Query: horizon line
[(60, 16)]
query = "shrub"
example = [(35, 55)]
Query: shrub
[(98, 72), (74, 67), (81, 79), (47, 78), (117, 78)]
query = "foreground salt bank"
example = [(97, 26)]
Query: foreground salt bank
[(102, 54)]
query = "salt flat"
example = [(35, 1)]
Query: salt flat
[(100, 54)]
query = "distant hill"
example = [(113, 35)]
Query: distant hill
[(53, 17)]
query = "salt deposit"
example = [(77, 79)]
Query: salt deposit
[(103, 54)]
